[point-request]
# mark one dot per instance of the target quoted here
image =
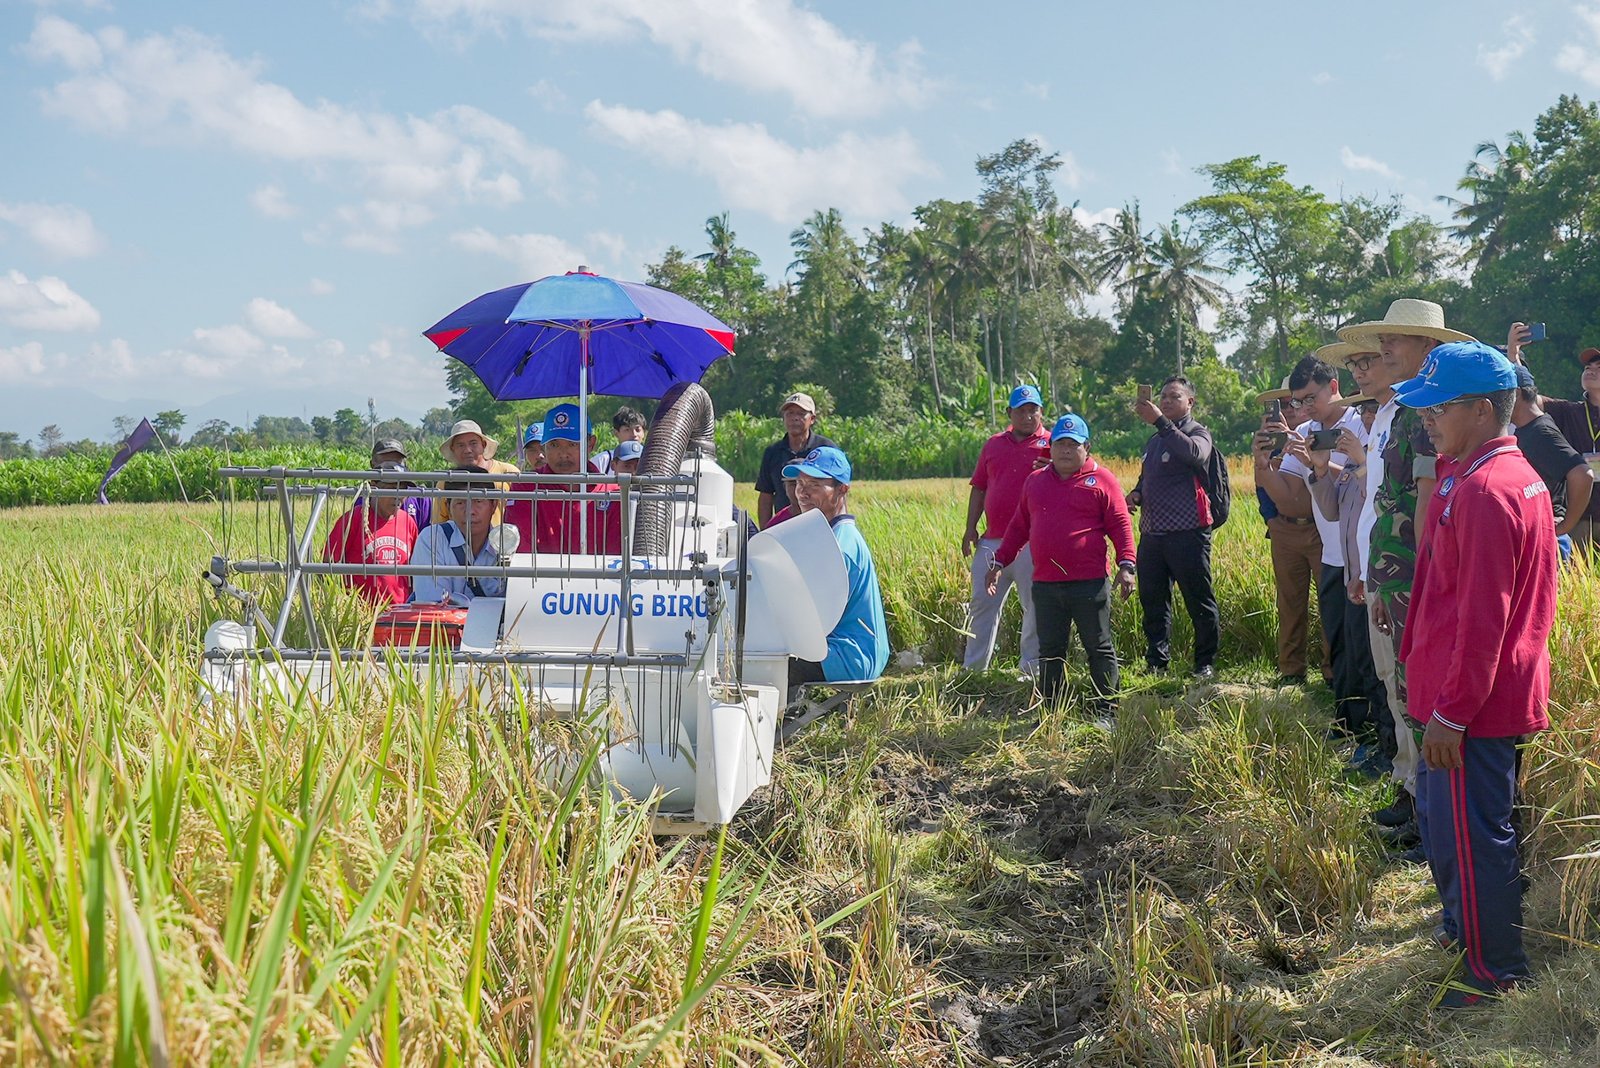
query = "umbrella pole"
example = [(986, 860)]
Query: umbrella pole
[(583, 430)]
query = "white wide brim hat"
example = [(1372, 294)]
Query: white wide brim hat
[(468, 426), (1409, 316), (1342, 352)]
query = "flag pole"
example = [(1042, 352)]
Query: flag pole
[(163, 439)]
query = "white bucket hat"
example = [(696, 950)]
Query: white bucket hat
[(1281, 393), (1409, 316), (468, 426)]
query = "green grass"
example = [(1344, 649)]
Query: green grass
[(950, 876)]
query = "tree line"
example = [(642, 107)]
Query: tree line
[(937, 319)]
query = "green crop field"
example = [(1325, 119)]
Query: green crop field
[(949, 876)]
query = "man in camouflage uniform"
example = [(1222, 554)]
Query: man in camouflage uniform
[(1400, 474)]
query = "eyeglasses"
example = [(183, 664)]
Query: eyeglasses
[(1361, 363), (1307, 400), (1436, 410)]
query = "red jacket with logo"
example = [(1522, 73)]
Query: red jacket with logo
[(550, 525), (1067, 522), (1484, 597), (355, 539)]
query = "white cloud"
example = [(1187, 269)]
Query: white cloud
[(185, 87), (1584, 61), (271, 319), (1038, 90), (22, 363), (1322, 77), (320, 287), (47, 304), (536, 255), (1515, 38), (769, 46), (1171, 161), (273, 202), (1355, 162), (1091, 219), (232, 341), (753, 169), (59, 229), (549, 95)]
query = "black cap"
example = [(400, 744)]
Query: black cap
[(388, 445)]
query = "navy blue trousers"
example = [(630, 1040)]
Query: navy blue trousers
[(1465, 819)]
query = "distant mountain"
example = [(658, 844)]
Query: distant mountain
[(82, 414)]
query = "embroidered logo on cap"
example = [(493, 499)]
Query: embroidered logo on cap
[(563, 418), (812, 455)]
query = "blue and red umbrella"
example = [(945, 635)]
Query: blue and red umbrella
[(581, 333)]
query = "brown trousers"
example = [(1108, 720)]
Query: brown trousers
[(1296, 563)]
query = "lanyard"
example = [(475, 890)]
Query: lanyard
[(1594, 435)]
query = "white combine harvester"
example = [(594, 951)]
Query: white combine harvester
[(688, 636)]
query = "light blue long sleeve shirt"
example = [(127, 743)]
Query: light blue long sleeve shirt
[(434, 547), (858, 646)]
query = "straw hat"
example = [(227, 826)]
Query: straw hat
[(1342, 352), (1355, 400), (1281, 393), (468, 426), (1409, 316)]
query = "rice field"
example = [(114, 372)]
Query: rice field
[(949, 876)]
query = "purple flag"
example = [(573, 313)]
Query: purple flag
[(142, 435)]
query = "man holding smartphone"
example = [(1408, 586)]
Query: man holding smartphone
[(1579, 422), (1314, 391)]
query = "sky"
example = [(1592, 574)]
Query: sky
[(249, 208)]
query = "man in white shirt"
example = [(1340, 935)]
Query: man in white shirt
[(1314, 391)]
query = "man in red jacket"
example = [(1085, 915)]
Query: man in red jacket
[(1477, 665), (376, 531), (1066, 514)]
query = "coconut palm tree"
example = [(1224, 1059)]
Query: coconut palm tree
[(1181, 276), (1124, 252), (1490, 180)]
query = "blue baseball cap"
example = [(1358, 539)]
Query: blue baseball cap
[(561, 423), (1457, 369), (628, 450), (1070, 426), (534, 435), (1025, 395), (826, 462)]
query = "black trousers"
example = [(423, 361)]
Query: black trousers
[(1335, 646), (804, 671), (1184, 557), (1368, 703), (1086, 604)]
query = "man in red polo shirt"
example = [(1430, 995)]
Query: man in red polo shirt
[(1006, 460), (1477, 665), (376, 531), (1067, 513)]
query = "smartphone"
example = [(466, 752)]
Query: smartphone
[(1278, 438), (1323, 440), (1536, 332), (1275, 411), (1147, 393)]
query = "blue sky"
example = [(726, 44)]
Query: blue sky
[(246, 207)]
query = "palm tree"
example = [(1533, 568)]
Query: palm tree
[(1124, 252), (828, 260), (1491, 179), (924, 272), (1180, 276)]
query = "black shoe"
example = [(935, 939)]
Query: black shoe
[(1402, 837), (1155, 668), (1401, 810), (1414, 855), (1205, 671), (1460, 996)]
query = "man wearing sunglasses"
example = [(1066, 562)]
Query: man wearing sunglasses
[(1482, 606)]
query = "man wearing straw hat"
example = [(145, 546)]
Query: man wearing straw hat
[(469, 446), (1483, 607), (1400, 474)]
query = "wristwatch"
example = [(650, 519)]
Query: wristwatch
[(1127, 565)]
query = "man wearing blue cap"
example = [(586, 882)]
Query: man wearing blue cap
[(858, 645), (1007, 459), (533, 447), (1067, 514), (553, 525), (1476, 656)]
